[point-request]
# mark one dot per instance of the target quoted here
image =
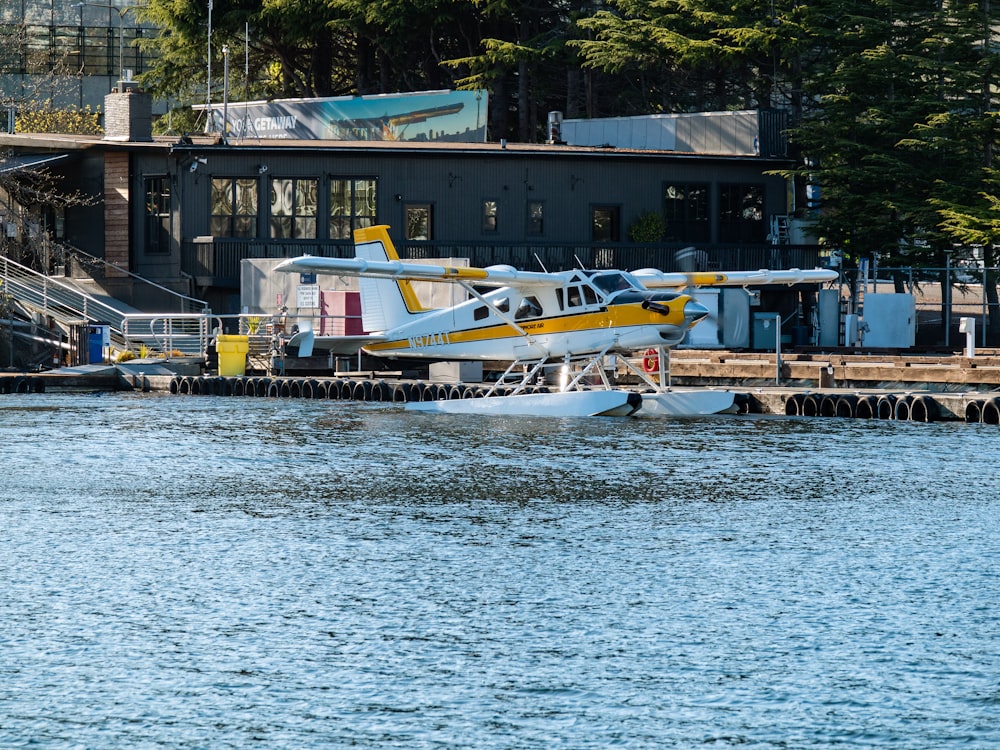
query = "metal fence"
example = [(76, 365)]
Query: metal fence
[(943, 298)]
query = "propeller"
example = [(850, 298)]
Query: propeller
[(687, 262)]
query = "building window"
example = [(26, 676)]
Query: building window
[(352, 206), (605, 223), (686, 211), (489, 216), (418, 221), (536, 217), (157, 209), (293, 208), (234, 207), (741, 213)]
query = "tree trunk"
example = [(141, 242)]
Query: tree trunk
[(523, 126), (322, 63)]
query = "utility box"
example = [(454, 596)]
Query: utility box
[(727, 325), (828, 317), (98, 342), (468, 371), (891, 321), (765, 326)]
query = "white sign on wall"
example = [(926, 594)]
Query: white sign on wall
[(307, 295)]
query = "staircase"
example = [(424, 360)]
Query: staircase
[(67, 304)]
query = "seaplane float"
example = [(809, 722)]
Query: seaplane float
[(567, 323)]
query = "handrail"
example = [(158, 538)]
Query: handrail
[(188, 333), (53, 296), (188, 304)]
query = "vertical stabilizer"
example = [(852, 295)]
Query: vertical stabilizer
[(385, 303)]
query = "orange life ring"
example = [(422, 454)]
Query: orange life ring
[(650, 361)]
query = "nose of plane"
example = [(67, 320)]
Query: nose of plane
[(693, 312)]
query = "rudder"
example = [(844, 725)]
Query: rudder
[(385, 303)]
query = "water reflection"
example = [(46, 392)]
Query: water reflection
[(223, 572)]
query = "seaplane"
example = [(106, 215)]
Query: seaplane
[(563, 326)]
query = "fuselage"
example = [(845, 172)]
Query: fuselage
[(579, 317)]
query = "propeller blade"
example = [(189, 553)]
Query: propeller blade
[(687, 262)]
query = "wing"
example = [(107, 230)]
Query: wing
[(401, 270), (652, 278)]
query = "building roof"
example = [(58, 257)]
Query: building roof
[(19, 162), (68, 142)]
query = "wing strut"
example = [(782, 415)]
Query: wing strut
[(500, 314)]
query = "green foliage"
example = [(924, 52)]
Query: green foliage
[(178, 121), (649, 227), (891, 102), (48, 119)]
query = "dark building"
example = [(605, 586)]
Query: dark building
[(184, 212)]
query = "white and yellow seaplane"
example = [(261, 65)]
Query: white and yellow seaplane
[(565, 321)]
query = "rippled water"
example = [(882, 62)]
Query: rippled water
[(183, 572)]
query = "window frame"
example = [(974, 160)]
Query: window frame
[(615, 222), (491, 216), (688, 218), (155, 211), (233, 217), (414, 206), (298, 221), (361, 204), (736, 199), (535, 227)]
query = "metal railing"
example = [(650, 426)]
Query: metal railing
[(142, 291), (169, 335), (57, 298), (54, 297)]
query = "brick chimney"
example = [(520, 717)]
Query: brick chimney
[(128, 114)]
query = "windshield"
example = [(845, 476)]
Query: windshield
[(614, 281)]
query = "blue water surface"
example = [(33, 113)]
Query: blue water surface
[(198, 572)]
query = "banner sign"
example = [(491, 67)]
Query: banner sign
[(457, 116)]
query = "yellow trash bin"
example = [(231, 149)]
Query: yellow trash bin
[(232, 352)]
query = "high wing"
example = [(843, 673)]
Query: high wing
[(499, 276), (396, 269), (652, 278)]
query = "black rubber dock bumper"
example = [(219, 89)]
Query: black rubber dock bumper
[(911, 407), (343, 389)]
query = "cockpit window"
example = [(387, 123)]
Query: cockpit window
[(578, 295)]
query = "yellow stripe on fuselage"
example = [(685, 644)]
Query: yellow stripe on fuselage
[(615, 316)]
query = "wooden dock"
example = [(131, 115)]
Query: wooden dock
[(840, 370)]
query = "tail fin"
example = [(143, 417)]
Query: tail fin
[(385, 303)]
